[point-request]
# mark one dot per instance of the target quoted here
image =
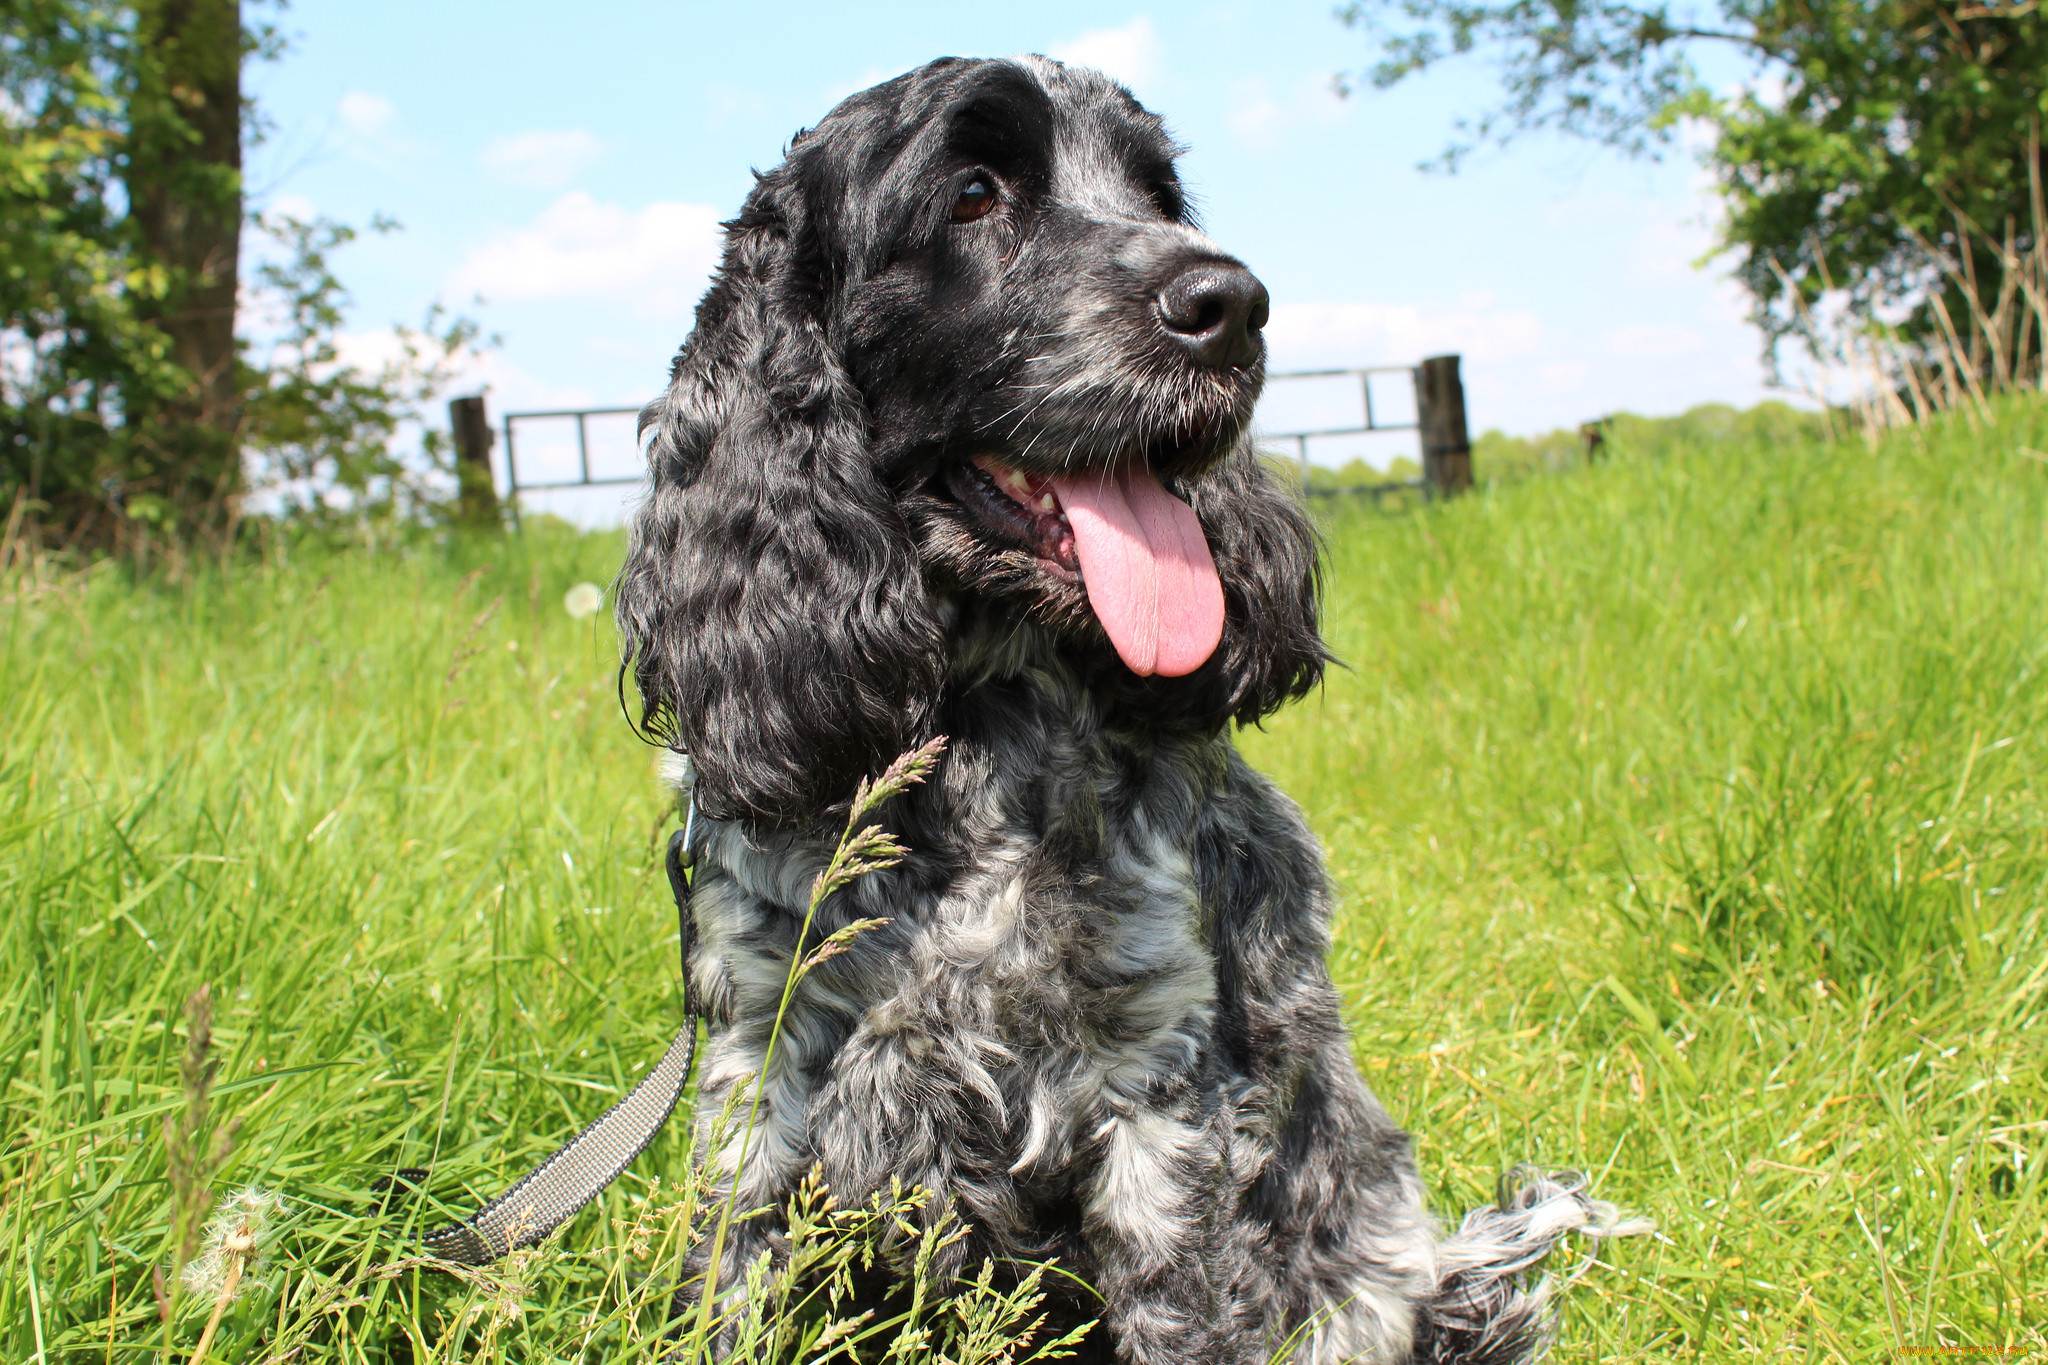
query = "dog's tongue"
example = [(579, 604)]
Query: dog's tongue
[(1147, 569)]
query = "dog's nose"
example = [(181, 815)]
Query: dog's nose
[(1216, 310)]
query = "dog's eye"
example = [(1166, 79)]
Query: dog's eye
[(975, 199)]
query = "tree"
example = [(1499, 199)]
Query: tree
[(129, 399), (182, 173), (120, 190), (1878, 157)]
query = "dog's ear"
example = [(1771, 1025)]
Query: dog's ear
[(1267, 553), (772, 609)]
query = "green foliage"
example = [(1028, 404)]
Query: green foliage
[(1687, 817), (1901, 135), (1601, 69), (131, 408), (1357, 473), (1396, 486), (1498, 457), (1875, 139), (322, 433), (73, 334)]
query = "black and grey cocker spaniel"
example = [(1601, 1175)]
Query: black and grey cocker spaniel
[(958, 447)]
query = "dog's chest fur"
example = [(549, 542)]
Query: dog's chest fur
[(1044, 977)]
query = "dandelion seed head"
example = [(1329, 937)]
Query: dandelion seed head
[(583, 600), (234, 1242)]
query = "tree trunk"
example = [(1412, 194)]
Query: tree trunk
[(184, 181)]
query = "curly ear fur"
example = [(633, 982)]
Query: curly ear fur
[(772, 608), (1268, 555)]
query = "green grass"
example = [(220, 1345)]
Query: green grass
[(1690, 816)]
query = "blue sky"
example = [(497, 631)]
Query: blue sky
[(559, 171)]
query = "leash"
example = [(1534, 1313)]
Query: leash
[(553, 1192)]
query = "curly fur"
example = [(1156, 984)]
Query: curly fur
[(1098, 1018)]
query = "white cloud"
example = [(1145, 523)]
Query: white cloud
[(291, 206), (1130, 52), (1254, 115), (1563, 377), (366, 115), (657, 257), (1257, 117), (1670, 254), (1674, 254), (509, 387), (543, 159), (369, 350), (1360, 333), (370, 129), (513, 388), (1513, 375), (1655, 340), (1669, 246)]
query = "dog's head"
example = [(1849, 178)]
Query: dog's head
[(967, 359)]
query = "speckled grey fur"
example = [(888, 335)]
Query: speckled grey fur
[(1098, 1019)]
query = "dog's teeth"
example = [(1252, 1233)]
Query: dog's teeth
[(1047, 504), (1015, 478)]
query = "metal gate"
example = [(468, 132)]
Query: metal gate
[(1439, 417)]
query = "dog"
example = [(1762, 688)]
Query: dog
[(959, 446)]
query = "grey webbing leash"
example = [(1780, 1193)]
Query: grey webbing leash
[(556, 1190)]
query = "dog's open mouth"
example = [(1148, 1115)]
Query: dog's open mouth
[(1138, 550), (1020, 508)]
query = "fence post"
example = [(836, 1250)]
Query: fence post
[(476, 487), (1594, 434), (1440, 413)]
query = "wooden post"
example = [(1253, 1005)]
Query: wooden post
[(1440, 413), (477, 488), (1594, 434)]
